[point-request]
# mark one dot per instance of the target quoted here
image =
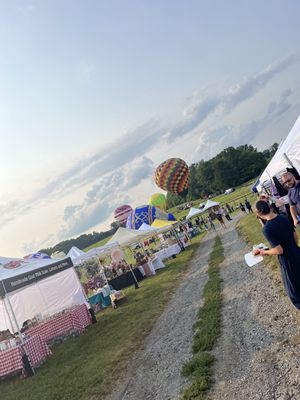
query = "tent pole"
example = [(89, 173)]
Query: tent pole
[(288, 160), (9, 317)]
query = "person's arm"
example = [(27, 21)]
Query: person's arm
[(294, 214), (275, 251)]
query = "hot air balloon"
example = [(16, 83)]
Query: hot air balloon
[(158, 200), (145, 214), (172, 175), (121, 213)]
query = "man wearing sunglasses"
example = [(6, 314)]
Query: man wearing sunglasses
[(293, 186)]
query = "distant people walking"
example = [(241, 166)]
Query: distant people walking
[(219, 215), (211, 223), (226, 214), (248, 206), (242, 207)]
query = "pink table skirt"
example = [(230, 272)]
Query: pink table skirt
[(11, 360), (75, 320)]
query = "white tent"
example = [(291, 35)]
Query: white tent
[(32, 287), (146, 227), (74, 252), (193, 212), (125, 235), (287, 155), (209, 204)]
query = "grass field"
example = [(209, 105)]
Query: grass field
[(85, 367)]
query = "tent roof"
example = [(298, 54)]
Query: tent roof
[(74, 252), (146, 227), (125, 235), (193, 211), (209, 204), (291, 147), (161, 223), (19, 272)]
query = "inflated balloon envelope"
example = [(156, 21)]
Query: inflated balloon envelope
[(172, 175)]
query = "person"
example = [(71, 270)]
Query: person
[(280, 233), (248, 206), (242, 207), (211, 223), (219, 215), (293, 187), (226, 213)]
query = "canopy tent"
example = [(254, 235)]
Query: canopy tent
[(146, 227), (209, 204), (161, 223), (193, 212), (287, 156), (95, 252), (32, 287), (74, 252), (126, 235)]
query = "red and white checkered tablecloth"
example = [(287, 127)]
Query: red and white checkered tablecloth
[(74, 320), (11, 360)]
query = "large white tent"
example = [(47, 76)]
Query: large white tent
[(33, 287), (209, 204), (193, 212), (125, 235), (287, 155)]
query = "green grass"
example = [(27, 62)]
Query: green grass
[(98, 244), (86, 367), (207, 330)]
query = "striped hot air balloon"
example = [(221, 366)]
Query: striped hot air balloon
[(121, 213), (172, 175)]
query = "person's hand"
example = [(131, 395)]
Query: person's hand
[(295, 221), (256, 252)]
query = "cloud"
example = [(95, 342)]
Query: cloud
[(102, 198), (213, 140), (109, 173), (223, 104), (84, 219)]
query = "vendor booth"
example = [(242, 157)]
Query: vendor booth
[(40, 300)]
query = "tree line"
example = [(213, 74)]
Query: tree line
[(230, 168)]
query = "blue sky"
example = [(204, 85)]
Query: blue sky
[(94, 94)]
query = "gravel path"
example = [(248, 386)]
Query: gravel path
[(155, 371), (257, 355)]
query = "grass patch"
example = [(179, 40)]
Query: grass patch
[(86, 367), (207, 330)]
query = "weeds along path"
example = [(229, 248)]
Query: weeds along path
[(257, 355), (155, 371)]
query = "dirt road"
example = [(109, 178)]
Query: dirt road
[(255, 356)]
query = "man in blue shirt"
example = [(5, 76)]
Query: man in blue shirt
[(293, 187)]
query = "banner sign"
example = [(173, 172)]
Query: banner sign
[(16, 282)]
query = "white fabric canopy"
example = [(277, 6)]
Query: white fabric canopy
[(35, 287), (74, 252), (209, 204), (146, 227), (290, 147), (193, 211), (125, 235)]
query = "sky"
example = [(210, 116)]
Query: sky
[(95, 94)]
